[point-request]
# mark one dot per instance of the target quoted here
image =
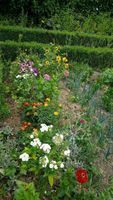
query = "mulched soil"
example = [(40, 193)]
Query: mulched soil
[(14, 119)]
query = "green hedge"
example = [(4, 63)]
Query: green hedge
[(95, 57), (57, 37)]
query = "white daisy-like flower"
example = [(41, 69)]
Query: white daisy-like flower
[(46, 148), (35, 142), (44, 161), (67, 152), (24, 157)]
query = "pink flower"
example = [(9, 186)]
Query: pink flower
[(66, 73), (47, 77), (82, 121)]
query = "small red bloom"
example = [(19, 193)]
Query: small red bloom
[(82, 121), (26, 103), (81, 175)]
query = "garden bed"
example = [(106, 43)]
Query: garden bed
[(57, 141)]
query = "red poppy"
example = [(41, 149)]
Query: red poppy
[(82, 121), (81, 175)]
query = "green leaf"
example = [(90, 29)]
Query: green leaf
[(2, 171), (50, 178)]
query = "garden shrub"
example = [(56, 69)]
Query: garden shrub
[(4, 108), (17, 33), (95, 57)]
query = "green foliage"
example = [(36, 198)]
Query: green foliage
[(34, 12), (4, 108), (7, 152), (107, 193), (107, 77), (25, 191), (108, 99)]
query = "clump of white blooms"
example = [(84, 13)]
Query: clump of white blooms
[(24, 157), (67, 152), (45, 128), (44, 161), (24, 76), (46, 148), (53, 165), (57, 139), (35, 142)]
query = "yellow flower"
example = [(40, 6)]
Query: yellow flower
[(56, 113), (35, 132), (46, 62), (58, 59), (48, 99), (66, 66), (45, 104), (65, 59), (60, 105)]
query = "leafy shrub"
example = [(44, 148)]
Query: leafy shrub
[(108, 99), (7, 152), (107, 77), (25, 191)]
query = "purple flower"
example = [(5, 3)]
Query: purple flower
[(47, 77), (34, 71)]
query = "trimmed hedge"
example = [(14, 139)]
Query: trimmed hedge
[(95, 57), (57, 37)]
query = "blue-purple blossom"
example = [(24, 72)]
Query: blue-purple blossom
[(35, 71)]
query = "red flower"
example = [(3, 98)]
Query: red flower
[(82, 121), (81, 175), (26, 103)]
